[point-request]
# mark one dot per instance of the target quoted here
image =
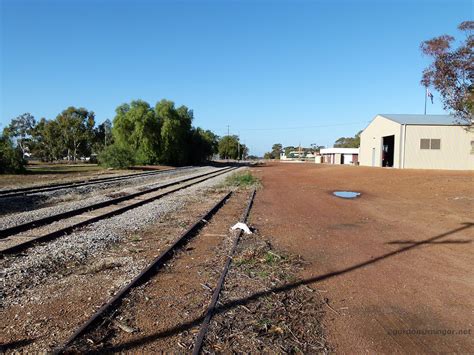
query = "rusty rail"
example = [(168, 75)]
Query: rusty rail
[(215, 297), (69, 229), (4, 233), (73, 184), (151, 269)]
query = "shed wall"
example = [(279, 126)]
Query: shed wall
[(371, 138), (454, 153)]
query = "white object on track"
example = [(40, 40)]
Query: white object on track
[(241, 226)]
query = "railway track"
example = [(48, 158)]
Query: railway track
[(106, 312), (215, 296), (22, 236), (53, 187)]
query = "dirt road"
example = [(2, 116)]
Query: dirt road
[(396, 264)]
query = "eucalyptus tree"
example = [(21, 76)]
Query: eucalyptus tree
[(203, 145), (230, 147), (11, 158), (47, 142), (20, 129), (102, 136), (277, 149), (452, 72), (77, 128)]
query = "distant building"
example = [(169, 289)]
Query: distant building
[(417, 142), (348, 156), (297, 155)]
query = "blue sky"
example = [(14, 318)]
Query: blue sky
[(285, 72)]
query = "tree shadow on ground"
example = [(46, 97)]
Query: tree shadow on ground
[(454, 241), (21, 203), (57, 172), (241, 302), (15, 344)]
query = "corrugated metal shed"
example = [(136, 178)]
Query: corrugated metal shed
[(430, 120), (404, 139)]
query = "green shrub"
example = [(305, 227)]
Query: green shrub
[(11, 159), (117, 157), (242, 180)]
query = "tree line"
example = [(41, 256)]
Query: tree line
[(139, 134), (157, 135), (343, 142), (278, 149), (71, 135), (348, 142)]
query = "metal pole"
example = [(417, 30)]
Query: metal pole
[(238, 146), (426, 94), (228, 135)]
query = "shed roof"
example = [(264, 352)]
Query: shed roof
[(430, 120)]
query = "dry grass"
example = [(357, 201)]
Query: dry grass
[(241, 179), (276, 322)]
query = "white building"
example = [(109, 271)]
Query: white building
[(296, 155), (417, 142), (348, 156)]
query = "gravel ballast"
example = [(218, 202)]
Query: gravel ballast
[(44, 261), (13, 206), (67, 201)]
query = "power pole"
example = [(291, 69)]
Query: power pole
[(238, 146), (228, 135)]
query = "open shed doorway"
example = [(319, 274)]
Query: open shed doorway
[(388, 147)]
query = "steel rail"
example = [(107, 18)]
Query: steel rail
[(51, 187), (4, 233), (73, 184), (215, 297), (63, 231), (150, 270)]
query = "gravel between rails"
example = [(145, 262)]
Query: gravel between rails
[(80, 198), (21, 273), (10, 206)]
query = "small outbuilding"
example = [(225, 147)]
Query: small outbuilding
[(348, 156), (417, 142)]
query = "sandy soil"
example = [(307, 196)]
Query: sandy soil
[(393, 262)]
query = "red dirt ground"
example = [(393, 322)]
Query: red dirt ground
[(399, 259)]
